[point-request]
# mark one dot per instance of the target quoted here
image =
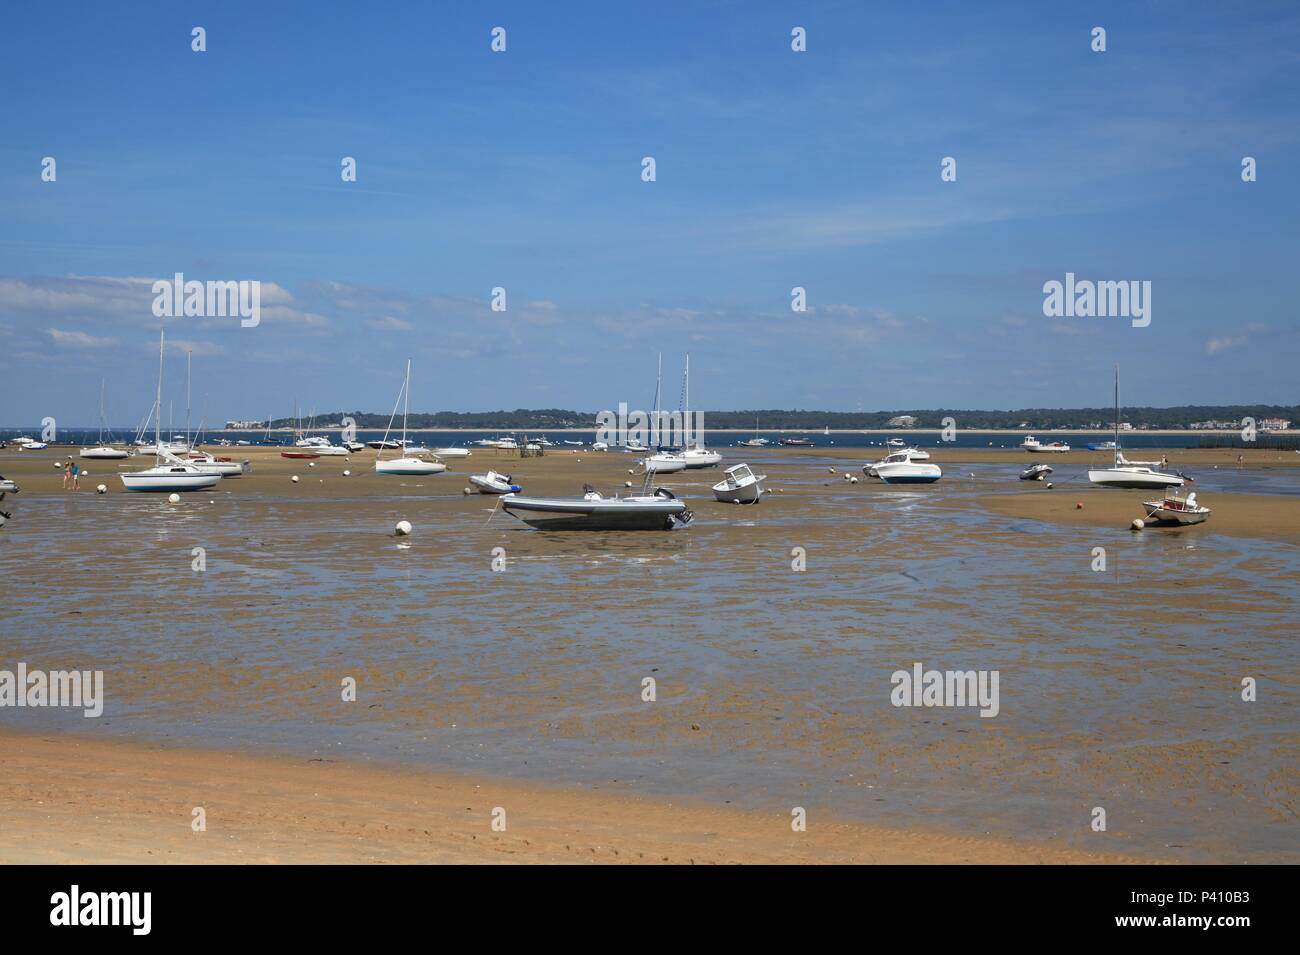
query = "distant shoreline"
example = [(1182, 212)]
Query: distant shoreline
[(809, 431)]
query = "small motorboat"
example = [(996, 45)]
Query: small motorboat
[(741, 486), (576, 444), (493, 483), (895, 443), (383, 445), (1051, 447), (1103, 446), (451, 452), (660, 511), (8, 485), (899, 468), (32, 446), (354, 446), (1036, 472), (1176, 509), (797, 443), (300, 454)]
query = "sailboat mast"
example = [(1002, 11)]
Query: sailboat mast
[(101, 412), (188, 352), (1117, 409), (654, 424), (406, 408), (157, 424)]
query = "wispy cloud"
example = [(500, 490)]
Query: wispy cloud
[(74, 339)]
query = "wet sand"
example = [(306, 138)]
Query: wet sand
[(1118, 689), (73, 800)]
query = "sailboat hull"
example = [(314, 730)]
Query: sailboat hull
[(409, 466), (168, 479), (1137, 478), (104, 454)]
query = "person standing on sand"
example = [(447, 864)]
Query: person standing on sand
[(76, 471), (67, 474)]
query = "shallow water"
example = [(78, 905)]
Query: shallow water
[(1118, 688)]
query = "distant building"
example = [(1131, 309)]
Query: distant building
[(1274, 424), (901, 421), (244, 425)]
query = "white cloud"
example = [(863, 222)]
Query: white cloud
[(67, 339), (1216, 345)]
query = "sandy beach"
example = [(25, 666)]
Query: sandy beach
[(522, 689), (76, 800)]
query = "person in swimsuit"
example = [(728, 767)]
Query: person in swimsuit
[(67, 474)]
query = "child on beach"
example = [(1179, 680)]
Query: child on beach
[(67, 474), (76, 471)]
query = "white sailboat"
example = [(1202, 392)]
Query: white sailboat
[(408, 463), (695, 454), (103, 451), (169, 472), (1131, 474)]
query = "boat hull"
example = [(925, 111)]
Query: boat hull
[(698, 459), (484, 485), (613, 514), (160, 480), (745, 494), (409, 466), (1136, 480), (105, 454), (1165, 515)]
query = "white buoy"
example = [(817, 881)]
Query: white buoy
[(847, 475), (403, 528), (1138, 524), (347, 473), (853, 480), (101, 489), (85, 474), (469, 490), (311, 464), (174, 499), (294, 479), (1049, 484), (630, 471), (627, 483)]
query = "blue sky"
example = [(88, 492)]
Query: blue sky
[(522, 169)]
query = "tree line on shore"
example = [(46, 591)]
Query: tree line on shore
[(1039, 419)]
